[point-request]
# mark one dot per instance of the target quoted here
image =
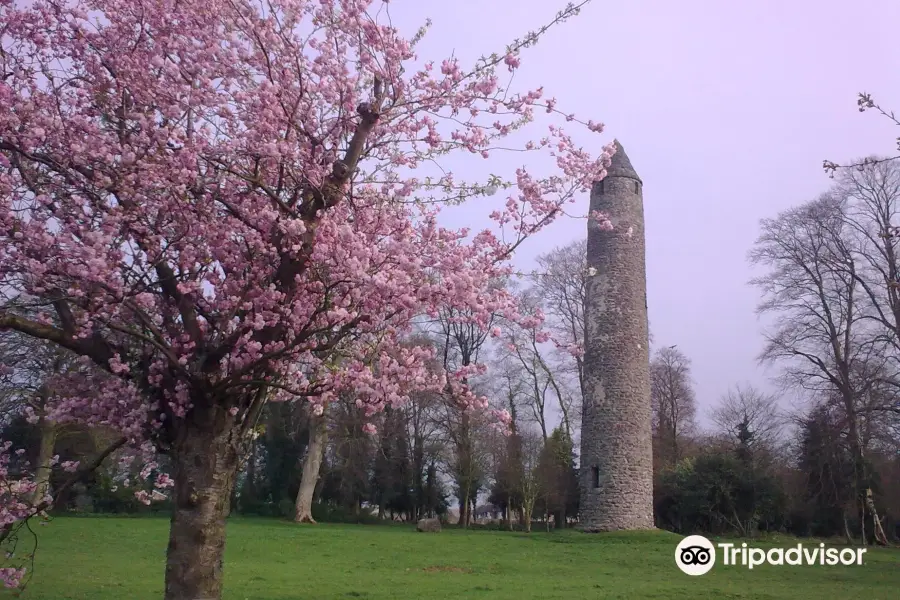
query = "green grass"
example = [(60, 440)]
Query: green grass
[(123, 559)]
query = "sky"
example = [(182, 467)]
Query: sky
[(726, 109)]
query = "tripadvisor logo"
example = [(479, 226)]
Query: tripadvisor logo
[(696, 555)]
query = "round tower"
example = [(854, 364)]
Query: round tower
[(616, 463)]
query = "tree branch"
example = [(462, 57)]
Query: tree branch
[(95, 348), (82, 472)]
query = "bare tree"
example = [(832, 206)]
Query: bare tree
[(562, 283), (461, 343), (510, 392), (871, 197), (424, 431), (820, 333), (522, 352), (746, 415), (27, 384), (530, 483), (672, 395)]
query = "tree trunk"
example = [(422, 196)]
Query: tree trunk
[(233, 499), (527, 510), (248, 494), (204, 461), (559, 519), (251, 468), (862, 524), (420, 475), (877, 529), (847, 533), (861, 487), (45, 455), (674, 446), (320, 484), (312, 464)]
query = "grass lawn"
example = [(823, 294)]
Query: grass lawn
[(123, 559)]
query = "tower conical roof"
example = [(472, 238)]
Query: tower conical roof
[(621, 164)]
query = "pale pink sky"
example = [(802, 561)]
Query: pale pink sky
[(726, 109)]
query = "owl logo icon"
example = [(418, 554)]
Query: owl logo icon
[(695, 555)]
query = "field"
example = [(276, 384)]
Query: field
[(123, 559)]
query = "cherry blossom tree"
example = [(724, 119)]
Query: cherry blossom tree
[(210, 199), (865, 102)]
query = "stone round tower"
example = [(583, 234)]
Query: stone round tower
[(616, 464)]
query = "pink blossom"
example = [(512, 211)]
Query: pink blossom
[(173, 208), (602, 220), (11, 577)]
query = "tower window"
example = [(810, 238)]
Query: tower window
[(600, 186), (637, 187), (595, 477)]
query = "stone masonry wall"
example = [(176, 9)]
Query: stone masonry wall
[(616, 474)]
